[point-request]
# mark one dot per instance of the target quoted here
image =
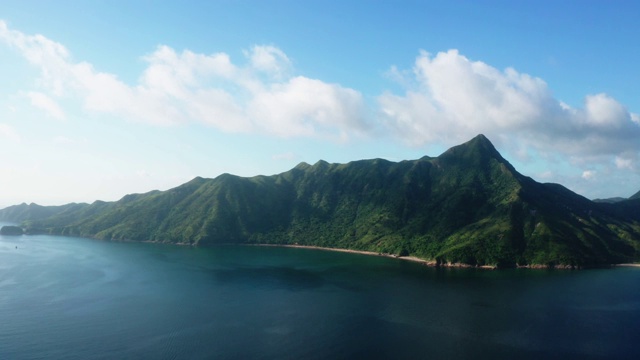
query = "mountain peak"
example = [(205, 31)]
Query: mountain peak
[(302, 166), (478, 153), (481, 142), (478, 147)]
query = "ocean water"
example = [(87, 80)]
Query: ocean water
[(69, 298)]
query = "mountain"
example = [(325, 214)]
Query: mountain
[(618, 199), (612, 200), (33, 211), (468, 205)]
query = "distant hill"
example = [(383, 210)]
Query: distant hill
[(612, 200), (618, 199), (468, 205), (19, 213)]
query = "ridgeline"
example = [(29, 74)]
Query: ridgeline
[(468, 205)]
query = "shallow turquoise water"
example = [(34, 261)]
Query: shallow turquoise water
[(79, 299)]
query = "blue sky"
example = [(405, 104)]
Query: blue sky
[(99, 99)]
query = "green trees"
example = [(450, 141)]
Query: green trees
[(11, 230)]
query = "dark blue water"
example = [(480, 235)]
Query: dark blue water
[(83, 299)]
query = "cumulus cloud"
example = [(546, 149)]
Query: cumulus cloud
[(270, 60), (447, 99), (180, 87), (304, 106), (452, 98), (604, 112)]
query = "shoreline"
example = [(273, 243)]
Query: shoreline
[(430, 263), (435, 264)]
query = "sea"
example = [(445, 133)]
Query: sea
[(72, 298)]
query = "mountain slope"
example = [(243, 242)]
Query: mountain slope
[(469, 205), (19, 213)]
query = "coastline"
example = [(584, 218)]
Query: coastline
[(430, 263), (435, 264)]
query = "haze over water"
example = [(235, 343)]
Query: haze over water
[(75, 298)]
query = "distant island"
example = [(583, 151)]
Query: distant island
[(468, 206)]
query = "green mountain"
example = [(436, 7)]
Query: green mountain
[(468, 205), (19, 213)]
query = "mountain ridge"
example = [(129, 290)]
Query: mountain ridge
[(469, 205)]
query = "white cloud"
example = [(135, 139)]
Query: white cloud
[(623, 163), (454, 98), (605, 112), (44, 102), (260, 96), (588, 174), (303, 107), (447, 99), (8, 133), (270, 60), (627, 160)]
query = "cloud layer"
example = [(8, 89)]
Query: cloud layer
[(181, 87), (447, 99), (452, 98)]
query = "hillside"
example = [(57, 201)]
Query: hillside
[(19, 213), (618, 199), (468, 205)]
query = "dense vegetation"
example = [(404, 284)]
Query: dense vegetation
[(11, 230), (469, 205)]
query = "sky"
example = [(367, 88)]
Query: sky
[(99, 99)]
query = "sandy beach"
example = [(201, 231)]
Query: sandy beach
[(432, 263)]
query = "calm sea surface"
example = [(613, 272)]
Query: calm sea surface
[(83, 299)]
